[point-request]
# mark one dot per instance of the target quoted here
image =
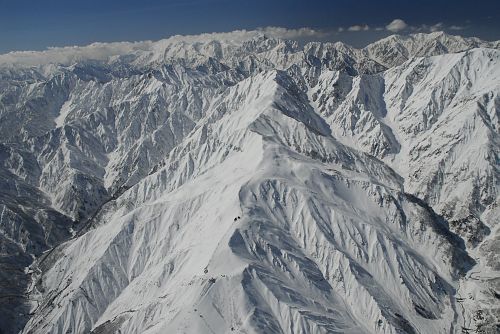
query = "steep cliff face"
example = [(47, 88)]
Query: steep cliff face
[(228, 183)]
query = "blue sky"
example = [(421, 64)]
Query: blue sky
[(35, 25)]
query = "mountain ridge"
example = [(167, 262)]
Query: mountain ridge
[(338, 167)]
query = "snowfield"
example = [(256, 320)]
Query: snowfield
[(236, 183)]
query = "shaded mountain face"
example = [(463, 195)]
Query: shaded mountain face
[(218, 184)]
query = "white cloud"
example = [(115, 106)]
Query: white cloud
[(429, 28), (72, 54), (299, 33), (359, 28), (396, 25), (242, 35), (105, 51), (436, 27)]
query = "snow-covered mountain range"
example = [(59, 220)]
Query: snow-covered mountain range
[(237, 183)]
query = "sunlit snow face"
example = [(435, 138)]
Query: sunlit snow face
[(232, 182)]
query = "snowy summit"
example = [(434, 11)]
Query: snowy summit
[(243, 183)]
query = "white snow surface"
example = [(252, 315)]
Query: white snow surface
[(241, 183)]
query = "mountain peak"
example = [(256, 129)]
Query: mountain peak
[(227, 44), (240, 182)]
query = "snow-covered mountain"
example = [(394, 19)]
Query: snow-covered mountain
[(240, 183)]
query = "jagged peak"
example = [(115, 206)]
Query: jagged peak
[(218, 45), (419, 40)]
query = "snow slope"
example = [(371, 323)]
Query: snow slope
[(241, 183)]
